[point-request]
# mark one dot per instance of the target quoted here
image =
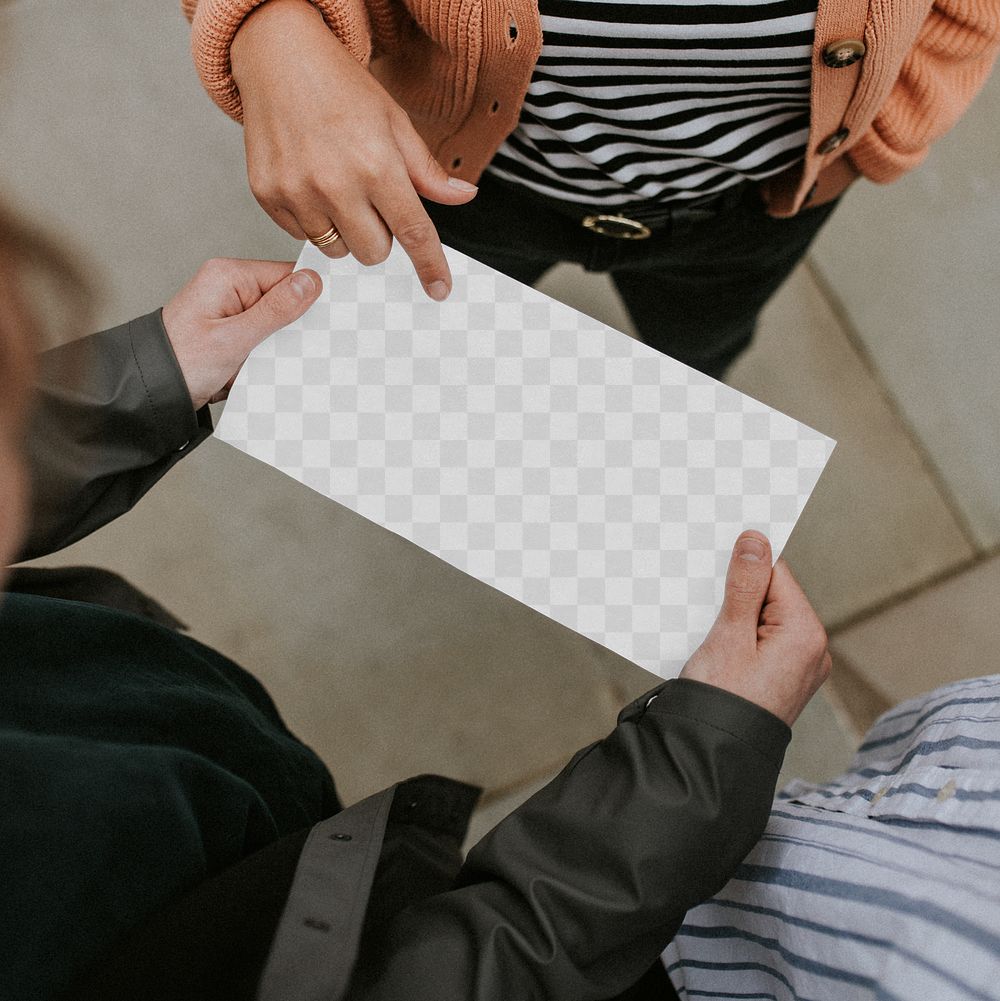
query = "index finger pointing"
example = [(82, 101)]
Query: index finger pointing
[(412, 227)]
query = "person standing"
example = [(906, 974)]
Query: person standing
[(692, 151)]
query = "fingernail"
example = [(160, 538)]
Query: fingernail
[(457, 182), (750, 548), (303, 283), (438, 291)]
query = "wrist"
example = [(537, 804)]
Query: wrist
[(746, 719), (270, 23)]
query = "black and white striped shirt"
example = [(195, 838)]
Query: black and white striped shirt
[(642, 101)]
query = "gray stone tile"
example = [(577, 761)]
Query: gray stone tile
[(592, 294), (947, 632), (876, 523), (821, 748), (386, 660), (110, 142), (916, 269), (856, 703)]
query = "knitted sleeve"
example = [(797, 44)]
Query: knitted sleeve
[(947, 67), (214, 24)]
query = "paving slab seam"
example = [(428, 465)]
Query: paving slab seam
[(901, 597), (855, 701), (856, 342)]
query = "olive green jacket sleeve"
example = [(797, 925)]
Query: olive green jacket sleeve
[(577, 892), (112, 415)]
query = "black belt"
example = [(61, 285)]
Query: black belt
[(638, 220)]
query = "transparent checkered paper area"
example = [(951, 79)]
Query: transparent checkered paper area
[(556, 459)]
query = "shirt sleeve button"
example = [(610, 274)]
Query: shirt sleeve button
[(844, 52), (831, 142)]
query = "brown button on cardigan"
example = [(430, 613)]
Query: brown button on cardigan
[(461, 68)]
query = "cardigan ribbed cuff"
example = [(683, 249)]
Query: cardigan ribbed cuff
[(214, 24)]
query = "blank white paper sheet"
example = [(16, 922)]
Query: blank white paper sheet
[(558, 460)]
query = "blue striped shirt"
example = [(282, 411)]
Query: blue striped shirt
[(882, 884)]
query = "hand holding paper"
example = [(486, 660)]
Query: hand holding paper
[(225, 311), (767, 645), (561, 462)]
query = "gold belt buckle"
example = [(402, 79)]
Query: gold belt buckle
[(618, 226)]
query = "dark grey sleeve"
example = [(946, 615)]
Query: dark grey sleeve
[(576, 893), (112, 415)]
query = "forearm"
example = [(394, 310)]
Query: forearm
[(273, 21), (275, 32), (576, 893), (221, 33), (113, 414)]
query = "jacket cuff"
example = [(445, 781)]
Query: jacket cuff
[(167, 396), (760, 730), (214, 24)]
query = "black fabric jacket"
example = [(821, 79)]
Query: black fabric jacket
[(113, 414), (572, 896)]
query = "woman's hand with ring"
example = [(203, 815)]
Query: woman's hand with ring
[(327, 146)]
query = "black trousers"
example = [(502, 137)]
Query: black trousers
[(693, 289)]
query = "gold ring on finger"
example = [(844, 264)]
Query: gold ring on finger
[(327, 239)]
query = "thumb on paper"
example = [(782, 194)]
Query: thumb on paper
[(747, 580), (280, 305)]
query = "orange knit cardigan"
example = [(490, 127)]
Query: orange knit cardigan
[(461, 68)]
